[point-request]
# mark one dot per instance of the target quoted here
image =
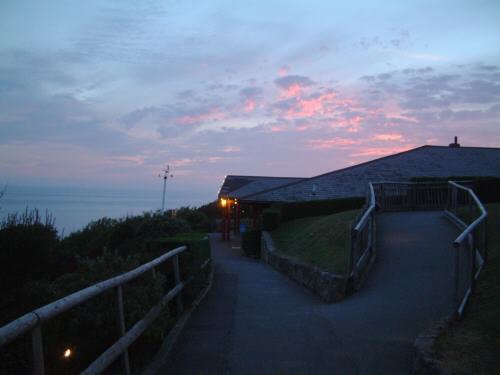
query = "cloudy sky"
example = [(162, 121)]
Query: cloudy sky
[(107, 92)]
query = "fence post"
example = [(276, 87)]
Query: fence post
[(382, 196), (485, 239), (37, 347), (454, 199), (472, 247), (456, 273), (177, 275), (121, 327), (352, 261)]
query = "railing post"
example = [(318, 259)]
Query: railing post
[(472, 247), (177, 275), (454, 199), (121, 327), (352, 260), (372, 233), (456, 273), (37, 347), (485, 239)]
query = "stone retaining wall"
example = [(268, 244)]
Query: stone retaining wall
[(328, 286), (426, 362)]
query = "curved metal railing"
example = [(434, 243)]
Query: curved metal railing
[(471, 246), (363, 239), (459, 203)]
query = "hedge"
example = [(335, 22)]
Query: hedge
[(271, 218), (297, 210), (198, 252), (486, 188), (250, 242)]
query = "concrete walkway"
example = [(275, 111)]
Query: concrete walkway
[(257, 321)]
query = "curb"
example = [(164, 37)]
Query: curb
[(328, 286), (171, 339), (425, 362)]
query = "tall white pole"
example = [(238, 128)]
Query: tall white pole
[(164, 188), (165, 176)]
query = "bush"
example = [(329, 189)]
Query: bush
[(195, 218), (37, 267), (190, 262), (297, 210), (250, 242), (486, 188), (126, 235), (271, 218)]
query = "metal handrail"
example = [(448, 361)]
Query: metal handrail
[(359, 233), (476, 222), (32, 320), (362, 221)]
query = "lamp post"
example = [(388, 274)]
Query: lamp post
[(165, 175)]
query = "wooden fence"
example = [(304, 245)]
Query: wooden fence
[(33, 321)]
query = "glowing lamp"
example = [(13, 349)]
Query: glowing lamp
[(223, 202), (67, 353)]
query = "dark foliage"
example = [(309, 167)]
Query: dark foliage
[(195, 218), (250, 242), (297, 210), (486, 188), (271, 218), (36, 267), (126, 236)]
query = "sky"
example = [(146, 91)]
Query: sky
[(106, 93)]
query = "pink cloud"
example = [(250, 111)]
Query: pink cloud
[(277, 128), (322, 144), (388, 137), (231, 149), (292, 91), (249, 105), (284, 70), (214, 114), (382, 151)]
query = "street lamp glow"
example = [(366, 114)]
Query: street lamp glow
[(67, 353)]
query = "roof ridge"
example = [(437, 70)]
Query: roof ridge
[(250, 176), (336, 171)]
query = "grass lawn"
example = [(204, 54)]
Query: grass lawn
[(473, 345), (321, 240)]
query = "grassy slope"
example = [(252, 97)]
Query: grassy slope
[(473, 346), (321, 240)]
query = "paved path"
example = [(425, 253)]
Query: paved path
[(257, 321)]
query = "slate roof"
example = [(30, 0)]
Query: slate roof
[(428, 161), (238, 186)]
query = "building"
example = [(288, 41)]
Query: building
[(257, 193)]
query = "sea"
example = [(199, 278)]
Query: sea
[(74, 207)]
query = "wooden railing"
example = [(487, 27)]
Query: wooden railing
[(471, 246), (33, 321)]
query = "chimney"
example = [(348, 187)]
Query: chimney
[(456, 144)]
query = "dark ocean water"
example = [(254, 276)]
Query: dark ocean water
[(75, 207)]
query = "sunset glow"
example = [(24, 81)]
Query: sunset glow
[(106, 94)]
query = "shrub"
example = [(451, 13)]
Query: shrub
[(250, 242), (297, 210), (126, 236), (271, 218), (486, 188), (190, 262), (195, 218)]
